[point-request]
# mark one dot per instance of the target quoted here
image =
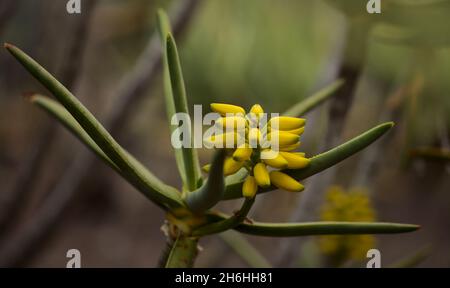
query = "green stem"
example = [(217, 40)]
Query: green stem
[(183, 252), (212, 190), (228, 223)]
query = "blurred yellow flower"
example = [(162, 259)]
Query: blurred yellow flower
[(341, 205)]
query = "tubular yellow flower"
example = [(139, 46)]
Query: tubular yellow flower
[(261, 175), (236, 122), (228, 140), (242, 153), (285, 182), (298, 131), (249, 187), (284, 138), (254, 136), (230, 166), (288, 123), (277, 162), (257, 110), (290, 147), (295, 161), (223, 109)]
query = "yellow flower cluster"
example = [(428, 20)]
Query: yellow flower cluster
[(341, 205), (262, 161)]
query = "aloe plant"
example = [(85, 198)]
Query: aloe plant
[(190, 209)]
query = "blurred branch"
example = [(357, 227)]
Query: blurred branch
[(413, 260), (244, 249), (35, 159), (130, 90), (355, 42), (7, 10)]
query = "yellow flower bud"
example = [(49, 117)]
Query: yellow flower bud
[(231, 122), (223, 109), (225, 140), (298, 131), (230, 166), (277, 162), (249, 187), (257, 109), (206, 168), (286, 182), (261, 175), (287, 123), (290, 147), (295, 161), (254, 136), (242, 153), (284, 138)]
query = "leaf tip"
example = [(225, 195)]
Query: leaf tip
[(391, 123), (169, 39), (9, 47), (30, 96)]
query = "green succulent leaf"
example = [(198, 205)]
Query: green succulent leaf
[(212, 190), (323, 228), (322, 161), (63, 116), (314, 100), (176, 102), (58, 111), (131, 169)]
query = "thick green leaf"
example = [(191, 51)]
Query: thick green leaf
[(176, 102), (63, 116), (60, 113), (190, 157), (183, 253), (322, 161), (314, 100), (244, 249), (323, 228), (164, 29), (212, 190), (112, 149)]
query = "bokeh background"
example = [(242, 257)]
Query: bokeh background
[(55, 196)]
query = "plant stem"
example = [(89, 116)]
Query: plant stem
[(228, 223), (183, 252)]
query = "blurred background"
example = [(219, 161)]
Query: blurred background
[(55, 196)]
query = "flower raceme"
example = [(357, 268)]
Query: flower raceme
[(261, 146), (351, 205)]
